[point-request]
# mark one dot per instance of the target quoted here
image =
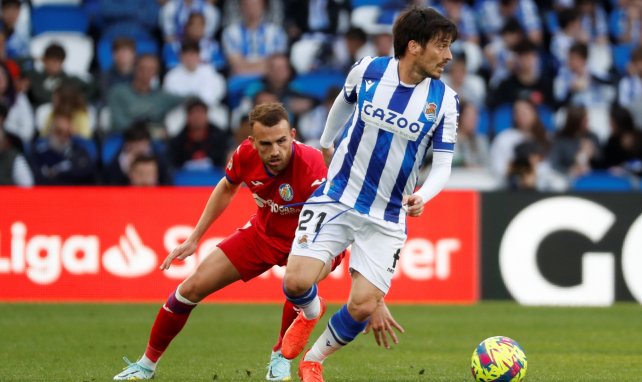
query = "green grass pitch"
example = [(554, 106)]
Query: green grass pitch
[(69, 342)]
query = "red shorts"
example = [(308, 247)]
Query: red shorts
[(252, 255)]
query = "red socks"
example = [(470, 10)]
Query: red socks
[(170, 320), (288, 316)]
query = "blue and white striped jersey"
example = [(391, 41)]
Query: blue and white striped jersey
[(385, 140)]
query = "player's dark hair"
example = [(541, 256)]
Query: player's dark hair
[(123, 43), (421, 25), (268, 114)]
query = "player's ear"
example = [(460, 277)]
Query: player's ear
[(293, 133), (252, 140), (413, 47)]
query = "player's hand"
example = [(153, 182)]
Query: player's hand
[(181, 252), (327, 154), (414, 204), (382, 324)]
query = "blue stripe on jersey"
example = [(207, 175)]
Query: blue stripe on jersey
[(373, 72), (398, 103), (436, 92)]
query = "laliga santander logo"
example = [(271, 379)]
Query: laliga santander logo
[(130, 258), (43, 257)]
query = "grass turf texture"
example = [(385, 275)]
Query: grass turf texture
[(68, 342)]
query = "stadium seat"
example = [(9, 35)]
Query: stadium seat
[(111, 146), (362, 3), (79, 49), (236, 87), (303, 54), (602, 181), (58, 18), (316, 84), (365, 17), (621, 57), (502, 118), (483, 123), (198, 177), (105, 59)]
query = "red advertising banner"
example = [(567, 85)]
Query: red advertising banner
[(105, 244)]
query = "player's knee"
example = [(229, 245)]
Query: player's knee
[(295, 285), (361, 309), (190, 290)]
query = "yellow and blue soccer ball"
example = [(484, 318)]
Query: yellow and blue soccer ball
[(499, 359)]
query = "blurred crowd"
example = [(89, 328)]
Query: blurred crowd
[(156, 92)]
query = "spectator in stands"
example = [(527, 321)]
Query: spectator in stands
[(62, 158), (200, 145), (195, 31), (469, 86), (11, 64), (194, 78), (575, 150), (623, 149), (349, 49), (383, 42), (526, 127), (144, 172), (594, 21), (249, 42), (175, 13), (14, 169), (472, 149), (139, 101), (312, 17), (625, 22), (463, 16), (569, 33), (499, 52), (529, 170), (576, 85), (42, 84), (17, 39), (630, 87), (274, 12), (527, 80), (68, 97), (494, 13), (311, 124), (19, 120), (137, 141), (122, 71)]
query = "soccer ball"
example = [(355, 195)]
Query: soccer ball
[(498, 359)]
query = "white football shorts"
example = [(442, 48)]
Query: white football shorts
[(327, 227)]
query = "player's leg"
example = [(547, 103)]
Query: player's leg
[(373, 258), (318, 239), (214, 273)]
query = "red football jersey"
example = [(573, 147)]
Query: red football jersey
[(278, 197)]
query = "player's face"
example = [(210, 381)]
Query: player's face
[(274, 144), (433, 58)]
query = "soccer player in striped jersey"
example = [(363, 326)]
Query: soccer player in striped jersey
[(391, 110), (281, 174)]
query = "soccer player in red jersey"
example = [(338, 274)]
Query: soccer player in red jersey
[(282, 174)]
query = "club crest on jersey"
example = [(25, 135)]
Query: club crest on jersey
[(431, 111), (286, 192), (303, 241), (229, 165)]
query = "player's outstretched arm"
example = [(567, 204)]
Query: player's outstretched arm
[(381, 323), (219, 199)]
